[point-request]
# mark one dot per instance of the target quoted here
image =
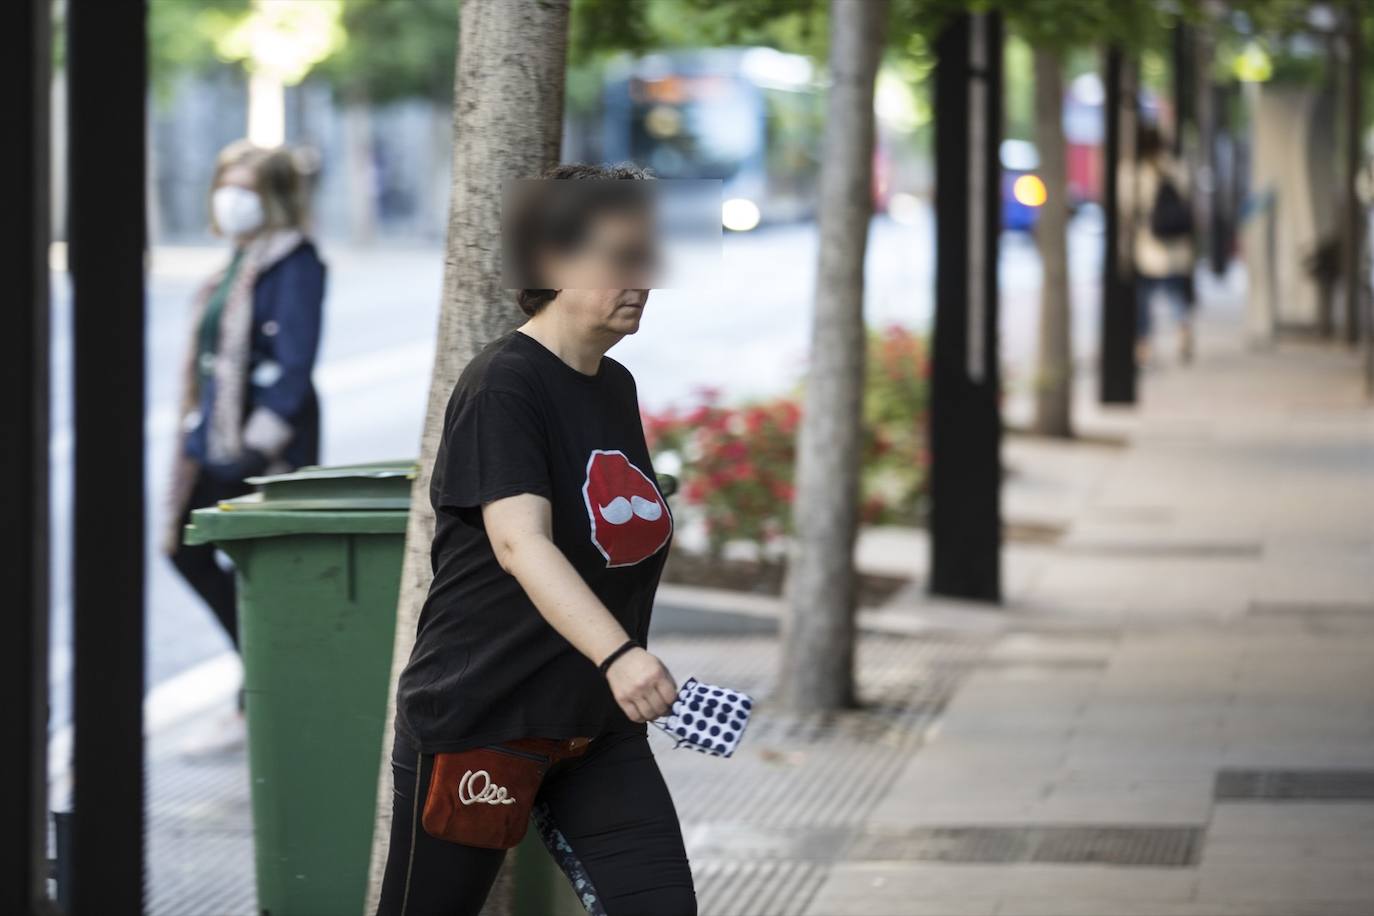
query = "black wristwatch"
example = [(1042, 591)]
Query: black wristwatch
[(625, 647)]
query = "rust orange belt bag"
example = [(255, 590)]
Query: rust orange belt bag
[(483, 796)]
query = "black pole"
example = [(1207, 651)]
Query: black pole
[(25, 84), (1223, 188), (1116, 350), (965, 418), (106, 53), (1182, 85), (1352, 264)]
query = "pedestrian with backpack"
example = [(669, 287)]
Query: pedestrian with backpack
[(1163, 245)]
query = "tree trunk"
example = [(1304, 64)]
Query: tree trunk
[(1054, 377), (818, 634), (507, 123), (965, 381)]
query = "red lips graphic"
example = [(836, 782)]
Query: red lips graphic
[(629, 518)]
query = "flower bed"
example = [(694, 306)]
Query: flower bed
[(735, 463)]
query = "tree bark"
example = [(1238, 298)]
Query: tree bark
[(818, 633), (507, 123), (1054, 376)]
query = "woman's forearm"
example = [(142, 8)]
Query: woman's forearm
[(563, 597)]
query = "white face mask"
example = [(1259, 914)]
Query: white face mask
[(238, 211)]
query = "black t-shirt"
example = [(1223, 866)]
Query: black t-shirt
[(487, 666)]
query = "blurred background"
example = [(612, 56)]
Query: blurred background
[(365, 90), (1254, 101)]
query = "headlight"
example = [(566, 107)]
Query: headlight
[(739, 214), (1029, 190)]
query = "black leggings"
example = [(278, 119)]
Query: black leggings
[(197, 564), (606, 817)]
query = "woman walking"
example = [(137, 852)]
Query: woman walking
[(528, 691), (248, 405), (1163, 241)]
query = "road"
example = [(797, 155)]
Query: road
[(747, 334)]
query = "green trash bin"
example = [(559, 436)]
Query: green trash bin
[(318, 554)]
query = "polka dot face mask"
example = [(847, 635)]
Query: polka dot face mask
[(707, 718)]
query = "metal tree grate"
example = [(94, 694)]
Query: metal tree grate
[(1192, 550), (199, 834), (1294, 785), (1106, 845), (763, 827)]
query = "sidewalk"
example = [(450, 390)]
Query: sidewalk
[(1172, 714), (1178, 717)]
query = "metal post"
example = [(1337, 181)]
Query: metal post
[(25, 84), (1116, 349), (1182, 86), (1353, 263), (965, 417), (1221, 154), (106, 53)]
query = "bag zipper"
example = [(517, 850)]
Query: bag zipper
[(510, 750)]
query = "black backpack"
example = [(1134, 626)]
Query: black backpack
[(1170, 217)]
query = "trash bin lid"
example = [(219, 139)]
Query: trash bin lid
[(343, 499)]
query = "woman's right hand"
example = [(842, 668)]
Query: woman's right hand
[(642, 685)]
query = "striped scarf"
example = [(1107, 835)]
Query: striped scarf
[(224, 426)]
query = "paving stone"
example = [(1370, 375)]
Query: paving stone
[(850, 882), (1032, 906), (1351, 822), (1297, 881)]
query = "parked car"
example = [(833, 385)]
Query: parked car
[(1023, 193)]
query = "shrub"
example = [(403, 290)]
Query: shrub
[(738, 461)]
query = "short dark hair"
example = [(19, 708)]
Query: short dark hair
[(567, 228), (1149, 140)]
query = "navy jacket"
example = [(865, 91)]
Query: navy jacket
[(288, 301)]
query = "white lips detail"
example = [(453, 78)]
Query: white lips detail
[(620, 510)]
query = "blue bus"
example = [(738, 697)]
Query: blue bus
[(750, 117)]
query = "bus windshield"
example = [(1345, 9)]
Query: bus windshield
[(694, 126)]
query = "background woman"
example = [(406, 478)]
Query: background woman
[(248, 405), (1163, 241)]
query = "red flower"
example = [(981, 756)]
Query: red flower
[(709, 394)]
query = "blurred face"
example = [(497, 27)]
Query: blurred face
[(605, 283), (238, 206)]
